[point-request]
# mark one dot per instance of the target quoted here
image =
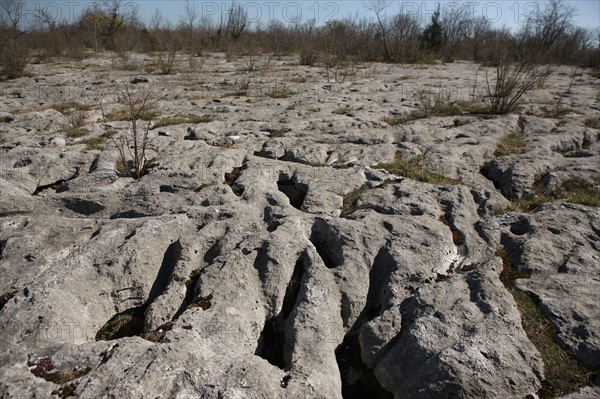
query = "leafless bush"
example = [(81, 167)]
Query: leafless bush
[(513, 79), (13, 54), (166, 61), (133, 145), (308, 57), (13, 59)]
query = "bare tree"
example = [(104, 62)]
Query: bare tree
[(156, 21), (188, 20), (378, 7), (12, 12), (478, 31), (405, 36), (237, 20), (13, 55), (542, 30), (455, 22)]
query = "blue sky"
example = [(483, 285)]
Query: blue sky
[(508, 13)]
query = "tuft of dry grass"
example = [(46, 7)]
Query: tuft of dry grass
[(94, 143), (181, 119), (594, 123), (75, 133), (146, 114), (411, 168), (342, 110), (511, 144), (574, 190), (350, 203)]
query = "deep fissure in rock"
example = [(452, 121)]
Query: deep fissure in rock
[(327, 243), (165, 273), (296, 192), (358, 380), (231, 178), (54, 186), (271, 344), (131, 214), (130, 322), (190, 292)]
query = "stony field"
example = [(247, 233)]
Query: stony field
[(366, 230)]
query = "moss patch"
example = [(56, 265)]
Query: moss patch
[(125, 324), (146, 114)]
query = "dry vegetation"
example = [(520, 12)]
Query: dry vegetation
[(548, 36)]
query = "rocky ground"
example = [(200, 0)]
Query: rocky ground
[(299, 235)]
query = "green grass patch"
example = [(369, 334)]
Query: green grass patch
[(563, 372), (581, 191), (182, 119), (511, 144), (411, 168)]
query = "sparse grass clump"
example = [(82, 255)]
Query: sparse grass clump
[(594, 123), (411, 168), (180, 119), (562, 371), (94, 143), (350, 203), (63, 106), (75, 133), (146, 114), (511, 144), (342, 110), (574, 190), (581, 191), (276, 132), (438, 109)]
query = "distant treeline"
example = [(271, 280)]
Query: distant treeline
[(546, 37)]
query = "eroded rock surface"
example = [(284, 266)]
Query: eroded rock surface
[(270, 253)]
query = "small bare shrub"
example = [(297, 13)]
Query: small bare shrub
[(308, 57), (13, 59), (133, 145), (513, 80)]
